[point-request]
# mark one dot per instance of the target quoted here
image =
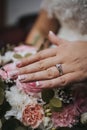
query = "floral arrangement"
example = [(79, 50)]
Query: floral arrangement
[(27, 107)]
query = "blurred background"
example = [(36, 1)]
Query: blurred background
[(16, 19)]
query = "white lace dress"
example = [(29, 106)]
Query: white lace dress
[(72, 15)]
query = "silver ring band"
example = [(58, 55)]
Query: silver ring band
[(59, 68)]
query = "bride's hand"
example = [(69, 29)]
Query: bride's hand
[(42, 67)]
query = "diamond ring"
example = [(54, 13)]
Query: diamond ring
[(59, 68)]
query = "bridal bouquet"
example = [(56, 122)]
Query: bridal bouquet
[(27, 107)]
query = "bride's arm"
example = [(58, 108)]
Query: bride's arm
[(41, 28)]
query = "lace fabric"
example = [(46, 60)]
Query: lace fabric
[(72, 15)]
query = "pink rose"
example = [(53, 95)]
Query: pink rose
[(65, 118), (3, 75), (26, 48), (32, 115), (28, 87), (7, 69)]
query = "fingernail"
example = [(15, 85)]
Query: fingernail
[(21, 77), (51, 33), (18, 63), (13, 73), (37, 83)]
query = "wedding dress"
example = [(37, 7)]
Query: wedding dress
[(72, 15)]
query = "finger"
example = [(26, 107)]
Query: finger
[(39, 56), (43, 69), (50, 73), (61, 81), (39, 66), (43, 66), (55, 40)]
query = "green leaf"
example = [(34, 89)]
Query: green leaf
[(47, 95), (27, 55), (65, 128), (2, 85), (0, 123), (20, 128), (1, 96), (3, 108), (10, 124), (55, 104), (17, 56)]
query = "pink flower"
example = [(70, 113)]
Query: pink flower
[(80, 95), (3, 74), (26, 48), (9, 67), (28, 87), (32, 115), (65, 118)]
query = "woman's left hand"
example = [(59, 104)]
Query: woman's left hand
[(42, 67)]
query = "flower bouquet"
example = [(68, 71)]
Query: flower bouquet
[(24, 106)]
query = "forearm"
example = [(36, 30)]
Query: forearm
[(41, 28)]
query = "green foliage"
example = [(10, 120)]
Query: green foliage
[(1, 96), (27, 55), (2, 85), (5, 48), (17, 56), (55, 104), (47, 95), (64, 128)]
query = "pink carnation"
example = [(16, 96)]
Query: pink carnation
[(32, 115), (28, 87), (80, 95), (26, 48), (65, 118)]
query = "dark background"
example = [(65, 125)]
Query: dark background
[(16, 19)]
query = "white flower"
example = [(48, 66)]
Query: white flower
[(7, 57), (18, 100), (47, 123), (84, 118)]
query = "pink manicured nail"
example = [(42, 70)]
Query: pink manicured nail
[(21, 77), (39, 83), (51, 33), (13, 73)]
